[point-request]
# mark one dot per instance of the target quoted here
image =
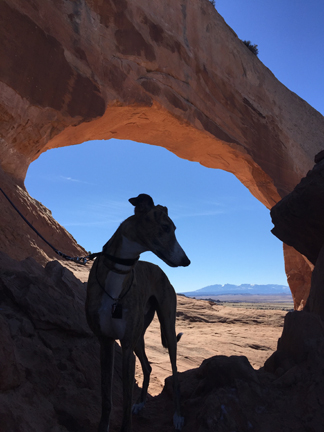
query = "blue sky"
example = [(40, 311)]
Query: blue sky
[(224, 230)]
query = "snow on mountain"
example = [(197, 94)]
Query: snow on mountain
[(243, 289)]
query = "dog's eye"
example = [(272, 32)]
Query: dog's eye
[(166, 228)]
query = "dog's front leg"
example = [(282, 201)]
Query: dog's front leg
[(146, 367), (107, 354), (128, 385)]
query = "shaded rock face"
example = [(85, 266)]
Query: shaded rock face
[(299, 217), (49, 359), (50, 367), (171, 74), (315, 301), (226, 394), (298, 221), (50, 375)]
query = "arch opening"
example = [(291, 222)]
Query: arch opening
[(223, 228)]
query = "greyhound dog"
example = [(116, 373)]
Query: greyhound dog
[(122, 297)]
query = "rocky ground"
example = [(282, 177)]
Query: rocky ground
[(49, 375)]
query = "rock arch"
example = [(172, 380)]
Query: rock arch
[(168, 73)]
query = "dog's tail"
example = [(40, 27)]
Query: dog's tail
[(164, 341)]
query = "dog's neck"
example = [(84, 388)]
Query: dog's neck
[(125, 249), (130, 249), (120, 246)]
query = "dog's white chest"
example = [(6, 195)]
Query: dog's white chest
[(111, 327)]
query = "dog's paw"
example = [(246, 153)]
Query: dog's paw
[(137, 408), (178, 422)]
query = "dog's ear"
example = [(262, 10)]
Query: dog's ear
[(163, 209), (143, 203)]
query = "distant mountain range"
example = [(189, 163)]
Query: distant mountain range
[(244, 289)]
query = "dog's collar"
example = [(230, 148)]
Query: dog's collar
[(113, 269), (122, 261)]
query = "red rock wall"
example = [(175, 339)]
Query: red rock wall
[(166, 73)]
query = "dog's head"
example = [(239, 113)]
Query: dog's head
[(156, 231)]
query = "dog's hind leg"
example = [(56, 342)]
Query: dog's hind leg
[(167, 317), (107, 352), (170, 335), (146, 367)]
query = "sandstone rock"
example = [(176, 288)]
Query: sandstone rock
[(299, 273), (49, 378), (220, 371), (315, 302), (302, 337), (10, 375), (108, 69), (299, 217), (17, 239), (168, 74), (249, 400), (298, 220), (50, 372), (164, 73)]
